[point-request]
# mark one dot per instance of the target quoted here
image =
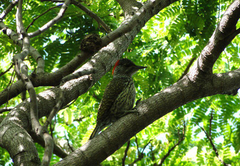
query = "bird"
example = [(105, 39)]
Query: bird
[(119, 96)]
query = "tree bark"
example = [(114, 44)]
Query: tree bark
[(198, 83)]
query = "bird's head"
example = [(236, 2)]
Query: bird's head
[(125, 67)]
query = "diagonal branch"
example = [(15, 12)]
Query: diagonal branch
[(53, 79), (180, 140), (41, 15), (103, 60), (8, 9), (188, 67), (211, 141), (53, 21), (93, 15), (222, 36), (2, 73)]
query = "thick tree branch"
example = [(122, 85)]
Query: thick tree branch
[(150, 110), (103, 61), (22, 72), (222, 36), (117, 48), (129, 7)]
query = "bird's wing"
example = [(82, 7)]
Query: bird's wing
[(112, 91)]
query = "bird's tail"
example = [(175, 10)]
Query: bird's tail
[(95, 131)]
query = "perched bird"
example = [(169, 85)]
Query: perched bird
[(119, 95)]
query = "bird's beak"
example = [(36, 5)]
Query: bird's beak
[(140, 67)]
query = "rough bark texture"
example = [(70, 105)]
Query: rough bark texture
[(198, 83)]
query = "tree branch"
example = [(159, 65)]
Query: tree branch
[(140, 154), (35, 54), (117, 48), (52, 22), (211, 141), (42, 15), (56, 150), (180, 140), (2, 73), (5, 110), (9, 9), (47, 100), (129, 7), (222, 36), (150, 110), (188, 67), (93, 15), (125, 153)]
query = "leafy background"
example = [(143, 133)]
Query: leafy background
[(166, 45)]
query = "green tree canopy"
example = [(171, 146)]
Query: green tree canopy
[(52, 79)]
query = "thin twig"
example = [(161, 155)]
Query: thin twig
[(42, 15), (125, 153), (140, 153), (93, 15), (188, 67), (2, 73), (212, 144), (181, 138), (68, 142), (210, 125), (51, 22)]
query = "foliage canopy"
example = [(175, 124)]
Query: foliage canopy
[(205, 130)]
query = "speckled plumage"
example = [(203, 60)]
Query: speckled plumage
[(119, 95)]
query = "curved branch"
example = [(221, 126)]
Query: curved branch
[(93, 15), (41, 15), (35, 54), (222, 36), (52, 22)]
